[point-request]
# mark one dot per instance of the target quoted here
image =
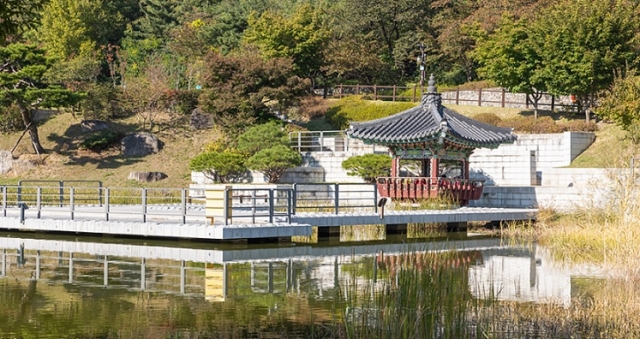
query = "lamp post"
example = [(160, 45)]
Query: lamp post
[(421, 63)]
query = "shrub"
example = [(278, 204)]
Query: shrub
[(100, 141), (579, 126), (274, 161), (181, 101), (488, 118), (531, 125), (102, 102), (261, 137), (223, 167), (368, 166)]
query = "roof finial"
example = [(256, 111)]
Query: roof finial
[(432, 84)]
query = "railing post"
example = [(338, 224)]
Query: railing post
[(39, 201), (106, 203), (457, 95), (4, 201), (144, 205), (289, 204), (336, 197), (480, 97), (503, 97), (61, 193), (340, 96), (100, 193), (71, 201), (299, 141), (346, 142), (375, 92), (357, 89), (271, 203), (375, 196), (394, 93), (294, 198), (225, 206), (553, 102), (321, 141), (183, 203)]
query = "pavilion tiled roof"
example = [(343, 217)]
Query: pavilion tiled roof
[(430, 121)]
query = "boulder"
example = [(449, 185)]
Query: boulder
[(200, 120), (140, 144), (93, 125), (146, 176), (6, 162)]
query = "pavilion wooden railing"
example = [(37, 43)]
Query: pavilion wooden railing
[(461, 190)]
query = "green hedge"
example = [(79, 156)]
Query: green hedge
[(354, 108)]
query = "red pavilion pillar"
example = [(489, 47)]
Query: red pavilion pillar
[(435, 167), (395, 166)]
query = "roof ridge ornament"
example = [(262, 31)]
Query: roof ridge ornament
[(432, 97)]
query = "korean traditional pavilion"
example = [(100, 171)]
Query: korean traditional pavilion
[(435, 137)]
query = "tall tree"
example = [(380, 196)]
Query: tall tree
[(586, 45), (21, 84), (301, 37), (510, 59), (16, 15)]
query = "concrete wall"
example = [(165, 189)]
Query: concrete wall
[(522, 162)]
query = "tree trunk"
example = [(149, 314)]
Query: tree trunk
[(33, 129)]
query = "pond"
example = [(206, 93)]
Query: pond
[(84, 287)]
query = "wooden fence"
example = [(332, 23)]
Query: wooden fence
[(494, 97)]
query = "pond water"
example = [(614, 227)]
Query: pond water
[(83, 287)]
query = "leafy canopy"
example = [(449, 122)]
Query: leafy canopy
[(225, 166)]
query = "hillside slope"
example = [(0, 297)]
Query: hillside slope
[(61, 135)]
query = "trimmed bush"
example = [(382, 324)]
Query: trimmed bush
[(100, 141), (532, 125), (579, 126), (353, 108), (488, 118)]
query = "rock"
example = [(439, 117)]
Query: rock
[(6, 162), (146, 176), (200, 120), (93, 125), (140, 144)]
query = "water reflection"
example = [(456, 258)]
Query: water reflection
[(125, 288)]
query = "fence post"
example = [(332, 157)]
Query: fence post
[(299, 141), (553, 103), (415, 89), (526, 101), (336, 198), (183, 198), (503, 95), (106, 203), (144, 205), (340, 96), (19, 191), (394, 92), (71, 201), (357, 89), (321, 141), (480, 97), (375, 92)]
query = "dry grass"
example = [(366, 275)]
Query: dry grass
[(61, 135)]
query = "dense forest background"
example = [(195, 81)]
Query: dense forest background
[(243, 60)]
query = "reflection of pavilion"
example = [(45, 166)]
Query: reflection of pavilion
[(520, 276)]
